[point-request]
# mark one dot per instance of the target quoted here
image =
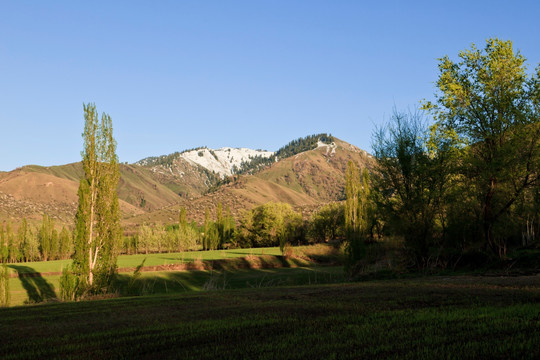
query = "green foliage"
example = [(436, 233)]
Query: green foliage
[(210, 234), (271, 224), (492, 105), (358, 214), (409, 182), (65, 247), (97, 220), (4, 285), (328, 223), (45, 238), (159, 238), (68, 284), (294, 147)]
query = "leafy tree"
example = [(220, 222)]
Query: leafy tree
[(271, 224), (23, 239), (65, 244), (408, 183), (98, 229), (3, 245), (328, 223), (357, 213), (13, 249), (493, 105), (4, 285), (45, 237), (210, 236)]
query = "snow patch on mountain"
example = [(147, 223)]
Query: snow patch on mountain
[(330, 148), (222, 161)]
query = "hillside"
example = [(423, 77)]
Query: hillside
[(29, 193), (304, 180), (154, 189)]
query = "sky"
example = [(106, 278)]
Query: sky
[(175, 75)]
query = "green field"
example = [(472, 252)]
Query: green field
[(426, 318), (28, 290), (239, 268), (130, 261)]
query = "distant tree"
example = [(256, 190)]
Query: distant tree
[(357, 213), (4, 285), (271, 224), (492, 104), (327, 223), (4, 252), (144, 238), (24, 240), (210, 236), (13, 249), (229, 226), (98, 231), (45, 237), (65, 244)]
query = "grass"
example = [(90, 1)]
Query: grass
[(28, 290), (221, 269), (131, 261), (425, 318)]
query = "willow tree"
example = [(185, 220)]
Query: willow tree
[(97, 219), (357, 212)]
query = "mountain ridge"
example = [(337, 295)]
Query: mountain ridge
[(155, 193)]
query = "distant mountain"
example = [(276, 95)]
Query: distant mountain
[(305, 180), (223, 162), (305, 173)]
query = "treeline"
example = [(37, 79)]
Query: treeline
[(168, 160), (294, 147), (30, 243), (464, 190), (271, 224)]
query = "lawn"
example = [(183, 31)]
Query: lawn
[(424, 318)]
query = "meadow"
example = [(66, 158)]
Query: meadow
[(201, 270), (461, 317)]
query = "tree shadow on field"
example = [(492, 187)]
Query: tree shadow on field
[(36, 286)]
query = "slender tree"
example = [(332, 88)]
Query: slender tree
[(97, 219), (357, 212)]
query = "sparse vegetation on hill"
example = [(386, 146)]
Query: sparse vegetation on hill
[(292, 148)]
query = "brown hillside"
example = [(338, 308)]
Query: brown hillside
[(31, 194), (305, 181), (137, 185), (184, 178)]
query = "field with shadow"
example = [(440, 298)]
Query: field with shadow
[(462, 317)]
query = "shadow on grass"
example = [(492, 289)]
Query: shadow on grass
[(171, 282), (37, 288)]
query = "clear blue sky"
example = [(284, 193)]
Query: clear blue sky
[(179, 74)]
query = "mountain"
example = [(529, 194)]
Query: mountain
[(305, 173), (304, 180), (192, 172)]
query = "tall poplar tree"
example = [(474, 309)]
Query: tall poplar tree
[(98, 231)]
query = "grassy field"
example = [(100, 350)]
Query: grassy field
[(28, 290), (221, 269), (129, 261), (425, 318)]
